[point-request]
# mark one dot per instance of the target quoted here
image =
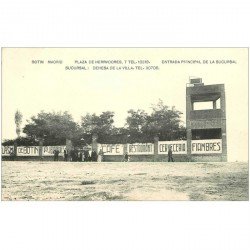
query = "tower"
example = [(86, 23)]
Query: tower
[(206, 121)]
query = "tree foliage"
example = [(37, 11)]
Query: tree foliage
[(136, 123), (53, 127), (101, 125), (21, 141), (164, 122)]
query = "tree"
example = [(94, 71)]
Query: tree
[(163, 122), (135, 124), (101, 125), (53, 127), (18, 122), (21, 141)]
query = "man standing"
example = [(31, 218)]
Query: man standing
[(65, 154), (100, 156), (86, 155), (170, 154), (93, 156), (126, 157), (56, 154)]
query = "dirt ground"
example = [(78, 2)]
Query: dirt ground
[(124, 181)]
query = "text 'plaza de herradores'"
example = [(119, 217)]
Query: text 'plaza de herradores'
[(206, 121)]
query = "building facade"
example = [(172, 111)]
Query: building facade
[(206, 121)]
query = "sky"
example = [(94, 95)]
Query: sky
[(32, 87)]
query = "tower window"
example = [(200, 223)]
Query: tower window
[(202, 105)]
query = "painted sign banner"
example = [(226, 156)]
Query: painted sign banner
[(7, 150), (140, 149), (178, 147), (49, 150), (206, 146), (111, 149), (28, 151)]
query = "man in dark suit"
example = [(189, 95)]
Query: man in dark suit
[(170, 154)]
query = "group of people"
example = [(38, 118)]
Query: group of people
[(56, 154), (82, 155), (85, 155)]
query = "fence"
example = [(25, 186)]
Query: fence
[(156, 151)]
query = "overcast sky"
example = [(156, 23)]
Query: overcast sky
[(33, 87)]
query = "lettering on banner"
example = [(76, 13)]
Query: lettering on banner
[(28, 151), (141, 149), (7, 150), (49, 150), (206, 146), (178, 147), (111, 149)]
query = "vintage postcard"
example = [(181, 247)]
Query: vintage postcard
[(124, 124)]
